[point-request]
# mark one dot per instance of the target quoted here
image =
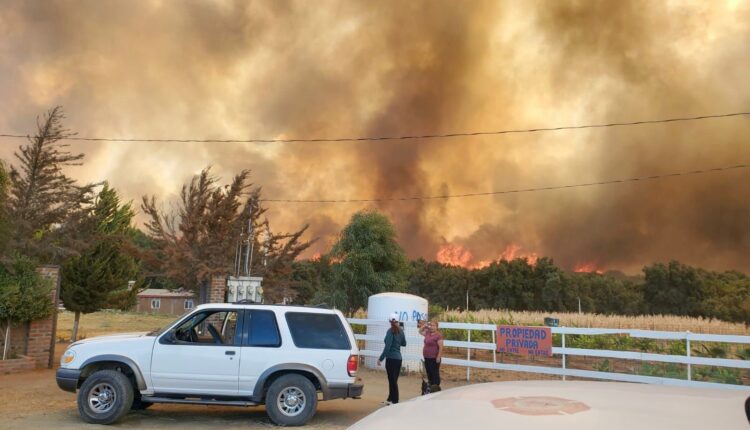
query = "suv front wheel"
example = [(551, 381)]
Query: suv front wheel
[(105, 397), (291, 400)]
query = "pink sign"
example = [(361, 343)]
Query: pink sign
[(524, 340)]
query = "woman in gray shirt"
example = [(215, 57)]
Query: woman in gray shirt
[(394, 340)]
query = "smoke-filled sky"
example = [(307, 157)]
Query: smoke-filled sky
[(272, 69)]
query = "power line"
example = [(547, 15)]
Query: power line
[(518, 191), (407, 137)]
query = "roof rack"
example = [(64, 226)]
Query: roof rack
[(322, 306)]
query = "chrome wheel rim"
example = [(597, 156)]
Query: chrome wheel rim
[(291, 401), (102, 398)]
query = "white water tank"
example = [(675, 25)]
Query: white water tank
[(409, 308)]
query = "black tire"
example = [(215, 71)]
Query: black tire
[(114, 399), (285, 413)]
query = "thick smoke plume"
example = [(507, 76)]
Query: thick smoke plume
[(241, 69)]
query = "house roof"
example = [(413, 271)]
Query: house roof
[(163, 293)]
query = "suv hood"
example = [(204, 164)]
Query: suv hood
[(110, 338)]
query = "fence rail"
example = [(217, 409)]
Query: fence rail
[(563, 352)]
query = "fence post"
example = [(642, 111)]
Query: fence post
[(494, 349), (468, 357), (563, 354), (687, 352)]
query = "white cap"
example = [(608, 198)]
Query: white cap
[(394, 316)]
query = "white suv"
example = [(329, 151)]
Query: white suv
[(219, 354)]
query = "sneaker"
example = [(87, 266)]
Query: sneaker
[(386, 403)]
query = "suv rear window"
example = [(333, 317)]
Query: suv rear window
[(317, 331)]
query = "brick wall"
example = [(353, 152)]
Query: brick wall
[(40, 343), (15, 365), (217, 290), (18, 335)]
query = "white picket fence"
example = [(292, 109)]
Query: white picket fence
[(564, 351)]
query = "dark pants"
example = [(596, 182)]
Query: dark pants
[(432, 367), (393, 368)]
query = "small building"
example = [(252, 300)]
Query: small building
[(154, 300)]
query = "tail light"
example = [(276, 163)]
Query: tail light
[(352, 364)]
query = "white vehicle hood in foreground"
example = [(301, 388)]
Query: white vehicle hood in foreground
[(558, 405)]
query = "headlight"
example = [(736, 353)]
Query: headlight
[(68, 357)]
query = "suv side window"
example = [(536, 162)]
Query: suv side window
[(317, 331), (261, 329), (210, 327)]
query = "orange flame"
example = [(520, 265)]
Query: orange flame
[(454, 255), (332, 260), (457, 255), (588, 267), (513, 251)]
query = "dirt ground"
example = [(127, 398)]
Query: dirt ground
[(32, 400)]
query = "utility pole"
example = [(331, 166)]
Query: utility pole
[(239, 251), (251, 244)]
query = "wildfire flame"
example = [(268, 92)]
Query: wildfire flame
[(513, 251), (333, 260), (587, 267), (457, 255), (454, 255)]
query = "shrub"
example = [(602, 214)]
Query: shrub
[(24, 296)]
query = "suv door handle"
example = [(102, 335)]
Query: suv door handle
[(229, 352)]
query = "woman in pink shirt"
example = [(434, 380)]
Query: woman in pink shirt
[(432, 351)]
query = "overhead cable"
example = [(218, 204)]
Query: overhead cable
[(404, 137), (515, 191)]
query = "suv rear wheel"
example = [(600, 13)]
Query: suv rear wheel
[(291, 400), (105, 397)]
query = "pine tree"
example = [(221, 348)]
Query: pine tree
[(98, 277), (200, 238), (43, 200)]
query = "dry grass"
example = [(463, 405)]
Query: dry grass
[(107, 322), (570, 319)]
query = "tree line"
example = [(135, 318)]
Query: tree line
[(367, 260)]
